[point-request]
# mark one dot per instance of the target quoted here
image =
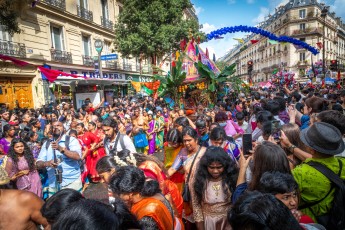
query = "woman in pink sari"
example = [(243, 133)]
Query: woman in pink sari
[(151, 134)]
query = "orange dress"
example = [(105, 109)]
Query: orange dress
[(150, 207)]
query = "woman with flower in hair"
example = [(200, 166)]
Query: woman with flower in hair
[(21, 167)]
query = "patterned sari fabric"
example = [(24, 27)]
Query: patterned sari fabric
[(160, 135), (152, 141), (155, 209), (169, 158)]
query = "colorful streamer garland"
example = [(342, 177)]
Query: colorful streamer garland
[(249, 29)]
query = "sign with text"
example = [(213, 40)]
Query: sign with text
[(109, 57), (95, 98)]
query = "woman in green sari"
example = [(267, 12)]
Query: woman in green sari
[(159, 127)]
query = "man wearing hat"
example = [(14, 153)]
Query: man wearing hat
[(19, 209), (323, 141)]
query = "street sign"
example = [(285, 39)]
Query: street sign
[(99, 45), (109, 57)]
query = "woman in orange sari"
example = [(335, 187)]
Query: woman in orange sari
[(154, 169), (151, 212)]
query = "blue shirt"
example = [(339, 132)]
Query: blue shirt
[(70, 168)]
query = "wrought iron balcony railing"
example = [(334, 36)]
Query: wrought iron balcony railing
[(107, 23), (111, 65), (84, 13), (61, 56), (12, 49), (127, 67), (88, 60), (61, 4)]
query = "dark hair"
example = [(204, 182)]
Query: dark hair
[(334, 118), (109, 122), (106, 164), (268, 157), (190, 132), (296, 95), (277, 183), (292, 132), (273, 107), (5, 130), (128, 179), (151, 187), (182, 121), (263, 116), (256, 95), (220, 116), (218, 134), (200, 123), (29, 157), (174, 136), (240, 116), (282, 103), (88, 215), (266, 128), (316, 104), (73, 131), (56, 204), (257, 211), (229, 175), (93, 123), (126, 219)]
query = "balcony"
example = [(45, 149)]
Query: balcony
[(111, 65), (84, 13), (61, 56), (107, 24), (307, 31), (127, 67), (12, 49), (88, 60), (61, 4)]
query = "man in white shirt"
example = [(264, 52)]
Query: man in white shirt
[(115, 142)]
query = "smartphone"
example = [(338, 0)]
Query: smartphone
[(276, 130), (247, 143)]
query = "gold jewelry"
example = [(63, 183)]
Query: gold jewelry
[(216, 188)]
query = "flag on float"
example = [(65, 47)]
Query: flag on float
[(272, 42), (254, 41), (240, 40), (319, 45)]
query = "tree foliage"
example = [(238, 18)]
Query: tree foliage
[(10, 10), (153, 28)]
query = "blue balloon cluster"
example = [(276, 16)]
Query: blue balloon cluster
[(255, 30)]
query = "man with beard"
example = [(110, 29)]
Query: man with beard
[(19, 209), (4, 118), (115, 141), (62, 153)]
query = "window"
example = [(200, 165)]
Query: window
[(105, 12), (84, 4), (302, 39), (57, 38), (4, 35), (302, 26), (302, 56), (302, 13), (86, 45), (106, 48)]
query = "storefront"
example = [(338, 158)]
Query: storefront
[(16, 86)]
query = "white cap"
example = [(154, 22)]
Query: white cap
[(127, 116), (150, 112)]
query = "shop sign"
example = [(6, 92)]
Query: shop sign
[(106, 75), (139, 78)]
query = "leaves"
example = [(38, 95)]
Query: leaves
[(153, 28)]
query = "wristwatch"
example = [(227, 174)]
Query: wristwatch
[(291, 148)]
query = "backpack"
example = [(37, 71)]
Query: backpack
[(67, 140), (118, 138), (335, 218)]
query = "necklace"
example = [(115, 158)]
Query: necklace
[(216, 188)]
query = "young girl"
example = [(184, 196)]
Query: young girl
[(21, 168), (215, 181)]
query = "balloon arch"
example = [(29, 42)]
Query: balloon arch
[(255, 30)]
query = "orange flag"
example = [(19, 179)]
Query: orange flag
[(152, 85)]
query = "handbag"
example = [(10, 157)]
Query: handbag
[(140, 140), (186, 192)]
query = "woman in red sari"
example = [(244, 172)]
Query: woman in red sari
[(91, 144), (92, 127)]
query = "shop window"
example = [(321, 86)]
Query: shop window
[(4, 35), (57, 38)]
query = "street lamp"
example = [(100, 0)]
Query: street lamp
[(324, 12)]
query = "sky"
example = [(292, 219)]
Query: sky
[(216, 14)]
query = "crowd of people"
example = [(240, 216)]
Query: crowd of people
[(265, 159)]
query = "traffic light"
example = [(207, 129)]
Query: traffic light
[(250, 66), (334, 65)]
